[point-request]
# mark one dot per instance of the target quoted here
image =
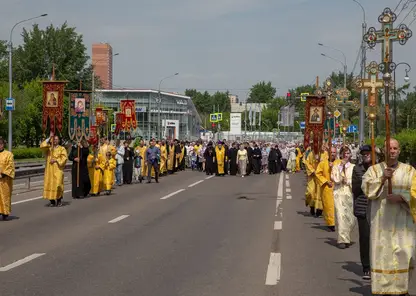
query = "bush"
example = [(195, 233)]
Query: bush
[(407, 140), (26, 153)]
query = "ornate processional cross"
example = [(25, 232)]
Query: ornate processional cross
[(387, 35), (372, 84)]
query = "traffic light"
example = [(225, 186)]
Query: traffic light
[(213, 125), (288, 95)]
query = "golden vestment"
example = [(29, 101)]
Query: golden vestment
[(7, 171)]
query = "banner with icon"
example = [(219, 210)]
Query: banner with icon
[(79, 115), (128, 110), (53, 106)]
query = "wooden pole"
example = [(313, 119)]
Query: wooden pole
[(317, 82), (79, 158), (387, 114), (373, 144), (53, 72), (80, 85)]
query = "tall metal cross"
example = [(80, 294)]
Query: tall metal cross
[(372, 84), (387, 35)]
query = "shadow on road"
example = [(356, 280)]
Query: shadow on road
[(363, 289), (353, 267)]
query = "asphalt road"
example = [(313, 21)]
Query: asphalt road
[(186, 236), (213, 238)]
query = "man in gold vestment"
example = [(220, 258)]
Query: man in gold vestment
[(323, 180), (6, 180), (56, 158), (163, 158), (299, 156), (393, 228)]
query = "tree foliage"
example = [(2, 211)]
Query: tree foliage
[(206, 103), (261, 92)]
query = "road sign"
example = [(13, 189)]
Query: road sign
[(352, 129), (337, 113), (10, 104), (219, 116), (213, 117), (302, 125), (303, 96)]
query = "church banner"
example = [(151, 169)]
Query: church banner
[(79, 115), (93, 136), (120, 123), (99, 116), (129, 113), (53, 106)]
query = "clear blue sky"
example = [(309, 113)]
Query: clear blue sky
[(216, 44)]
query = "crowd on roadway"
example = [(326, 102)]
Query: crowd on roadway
[(345, 188)]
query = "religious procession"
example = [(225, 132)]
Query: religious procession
[(135, 194)]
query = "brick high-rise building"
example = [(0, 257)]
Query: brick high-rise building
[(102, 61)]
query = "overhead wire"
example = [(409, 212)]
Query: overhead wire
[(398, 5), (407, 15), (405, 5)]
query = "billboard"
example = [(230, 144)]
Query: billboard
[(235, 123)]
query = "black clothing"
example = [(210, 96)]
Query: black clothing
[(84, 179), (272, 159), (256, 160), (226, 167), (152, 164), (216, 163), (209, 155), (178, 152), (279, 161), (232, 157), (360, 200), (360, 211), (364, 239), (128, 165)]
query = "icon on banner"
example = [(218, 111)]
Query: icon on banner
[(337, 113)]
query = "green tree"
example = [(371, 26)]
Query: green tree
[(4, 61), (60, 46), (261, 92)]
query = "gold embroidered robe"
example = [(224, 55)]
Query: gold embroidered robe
[(344, 201), (96, 175), (7, 171), (323, 176), (109, 167), (53, 187), (220, 159), (171, 159), (393, 229), (163, 158)]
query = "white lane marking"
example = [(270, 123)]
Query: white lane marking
[(196, 183), (115, 220), (288, 196), (31, 199), (288, 190), (273, 269), (207, 178), (172, 194), (278, 202), (278, 225), (287, 177), (21, 262), (287, 183), (280, 188)]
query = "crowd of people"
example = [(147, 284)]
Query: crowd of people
[(380, 198)]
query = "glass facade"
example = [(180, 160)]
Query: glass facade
[(173, 116)]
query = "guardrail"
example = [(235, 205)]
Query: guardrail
[(32, 172)]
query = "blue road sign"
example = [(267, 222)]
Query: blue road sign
[(213, 117), (352, 129), (302, 125), (10, 104)]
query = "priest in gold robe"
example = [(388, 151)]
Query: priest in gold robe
[(6, 180), (220, 159), (56, 157), (163, 158), (323, 180), (95, 162), (393, 228)]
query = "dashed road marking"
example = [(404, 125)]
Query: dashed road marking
[(287, 177), (196, 183), (172, 194), (288, 190), (287, 183), (278, 225), (207, 178), (21, 262), (273, 269), (32, 199), (115, 220), (280, 188), (288, 196)]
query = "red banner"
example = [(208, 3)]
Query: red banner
[(128, 110), (53, 105), (93, 135), (120, 123), (99, 116)]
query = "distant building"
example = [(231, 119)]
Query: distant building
[(102, 61), (241, 107), (233, 99)]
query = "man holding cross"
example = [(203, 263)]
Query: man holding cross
[(393, 231)]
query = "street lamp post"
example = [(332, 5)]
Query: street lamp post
[(363, 62), (11, 72), (159, 100), (406, 79), (343, 63)]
